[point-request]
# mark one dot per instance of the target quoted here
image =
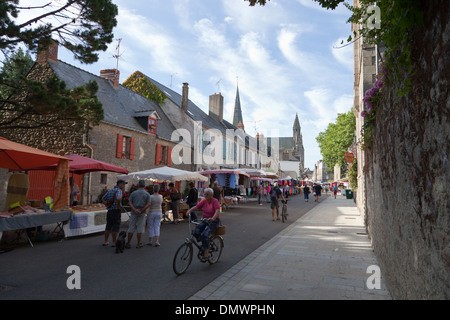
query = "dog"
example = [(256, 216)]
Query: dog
[(120, 242)]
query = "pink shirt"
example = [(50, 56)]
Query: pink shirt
[(209, 208)]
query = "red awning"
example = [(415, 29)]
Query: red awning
[(81, 165), (16, 156)]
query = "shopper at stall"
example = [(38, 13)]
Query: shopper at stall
[(113, 201), (74, 192), (174, 196), (192, 199), (154, 216), (139, 202)]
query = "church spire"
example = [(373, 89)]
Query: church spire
[(237, 116)]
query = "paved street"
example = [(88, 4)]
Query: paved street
[(146, 273)]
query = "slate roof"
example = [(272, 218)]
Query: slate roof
[(119, 106), (194, 111)]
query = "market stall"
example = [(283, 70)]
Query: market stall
[(166, 174), (233, 183), (18, 215)]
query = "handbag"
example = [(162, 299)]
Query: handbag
[(109, 203)]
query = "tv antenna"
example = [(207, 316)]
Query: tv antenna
[(218, 84), (118, 54), (171, 78), (256, 126)]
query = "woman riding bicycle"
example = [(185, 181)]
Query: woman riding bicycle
[(210, 221)]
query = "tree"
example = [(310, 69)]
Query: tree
[(82, 26), (13, 71), (336, 139)]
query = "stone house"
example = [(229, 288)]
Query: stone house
[(211, 142), (134, 134)]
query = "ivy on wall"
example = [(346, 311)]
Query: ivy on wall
[(139, 83)]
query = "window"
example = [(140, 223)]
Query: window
[(125, 147), (152, 125), (103, 178), (163, 155)]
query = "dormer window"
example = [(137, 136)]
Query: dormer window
[(152, 124)]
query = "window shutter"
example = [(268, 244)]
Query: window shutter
[(169, 156), (158, 154), (119, 146), (132, 149)]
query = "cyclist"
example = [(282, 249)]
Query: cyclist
[(210, 221)]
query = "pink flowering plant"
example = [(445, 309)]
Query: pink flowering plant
[(370, 100)]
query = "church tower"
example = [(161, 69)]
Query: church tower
[(237, 116), (298, 143)]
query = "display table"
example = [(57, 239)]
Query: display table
[(91, 220), (25, 221)]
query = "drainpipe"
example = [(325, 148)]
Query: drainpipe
[(91, 156)]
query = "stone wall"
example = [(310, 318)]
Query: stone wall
[(408, 170)]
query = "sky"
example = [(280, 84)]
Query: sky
[(286, 57)]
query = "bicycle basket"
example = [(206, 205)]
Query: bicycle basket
[(220, 231)]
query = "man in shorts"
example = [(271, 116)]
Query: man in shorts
[(139, 202), (114, 211), (275, 194)]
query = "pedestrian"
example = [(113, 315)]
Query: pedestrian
[(268, 188), (192, 199), (210, 221), (74, 192), (139, 202), (175, 197), (335, 190), (275, 194), (154, 216), (306, 193), (318, 192), (113, 201), (314, 192), (217, 192), (260, 192)]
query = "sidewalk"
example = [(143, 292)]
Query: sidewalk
[(323, 255)]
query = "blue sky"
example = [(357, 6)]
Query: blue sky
[(284, 56)]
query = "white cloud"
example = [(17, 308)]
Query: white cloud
[(343, 53)]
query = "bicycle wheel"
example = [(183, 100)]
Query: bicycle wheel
[(215, 249), (284, 213), (183, 258)]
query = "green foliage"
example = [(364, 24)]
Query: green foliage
[(46, 103), (82, 26), (353, 174), (139, 83), (13, 72), (336, 139)]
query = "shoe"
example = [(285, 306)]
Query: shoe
[(139, 245), (157, 245), (127, 246)]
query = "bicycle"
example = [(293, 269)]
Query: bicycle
[(183, 256), (284, 213)]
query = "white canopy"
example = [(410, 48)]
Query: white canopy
[(164, 174)]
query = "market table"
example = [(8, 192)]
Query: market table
[(25, 221), (91, 219)]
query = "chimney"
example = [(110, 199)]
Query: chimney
[(48, 54), (111, 74), (216, 106), (185, 97)]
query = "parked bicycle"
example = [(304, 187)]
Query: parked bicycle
[(183, 256), (284, 213)]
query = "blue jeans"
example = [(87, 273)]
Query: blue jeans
[(203, 230)]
